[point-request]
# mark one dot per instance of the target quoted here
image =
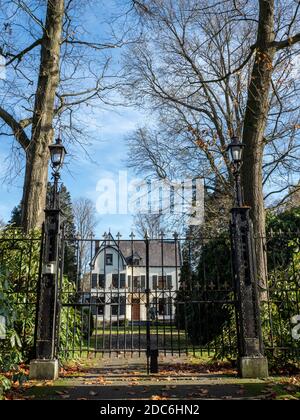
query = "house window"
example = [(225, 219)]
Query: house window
[(100, 306), (134, 260), (153, 309), (109, 259), (122, 305), (161, 306), (118, 306), (139, 283), (118, 281), (102, 281), (162, 282), (169, 307), (115, 281), (98, 281), (114, 303), (165, 307), (136, 283)]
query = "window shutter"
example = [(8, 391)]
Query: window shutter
[(154, 280), (102, 281), (122, 305), (122, 281), (115, 281), (94, 281), (169, 282), (136, 284), (129, 282), (114, 306), (143, 283)]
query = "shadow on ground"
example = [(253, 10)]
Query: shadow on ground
[(127, 379)]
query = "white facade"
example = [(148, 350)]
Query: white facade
[(118, 284)]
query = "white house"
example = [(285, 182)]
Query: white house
[(117, 284)]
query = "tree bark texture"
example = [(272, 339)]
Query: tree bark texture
[(254, 129), (37, 154)]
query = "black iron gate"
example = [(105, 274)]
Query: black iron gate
[(174, 295), (142, 296)]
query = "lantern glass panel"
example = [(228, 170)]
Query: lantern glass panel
[(56, 157), (236, 153)]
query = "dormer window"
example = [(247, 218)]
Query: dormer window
[(134, 260), (109, 259)]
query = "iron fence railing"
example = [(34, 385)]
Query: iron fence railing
[(20, 265), (135, 295), (280, 306), (173, 295)]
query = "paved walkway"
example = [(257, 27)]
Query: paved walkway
[(122, 378)]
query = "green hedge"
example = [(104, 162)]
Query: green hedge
[(19, 273)]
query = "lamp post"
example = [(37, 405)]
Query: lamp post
[(45, 367), (252, 363), (57, 155), (236, 149)]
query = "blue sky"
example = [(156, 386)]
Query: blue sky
[(81, 174), (109, 128)]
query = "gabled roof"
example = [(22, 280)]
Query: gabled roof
[(161, 253), (108, 243)]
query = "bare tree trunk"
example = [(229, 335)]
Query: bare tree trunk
[(254, 129), (37, 155)]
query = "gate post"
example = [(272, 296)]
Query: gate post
[(252, 363), (46, 335), (46, 364), (147, 291), (151, 353)]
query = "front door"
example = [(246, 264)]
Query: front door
[(136, 310)]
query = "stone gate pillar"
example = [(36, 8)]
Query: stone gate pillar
[(252, 363), (45, 366)]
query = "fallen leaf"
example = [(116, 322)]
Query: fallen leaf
[(290, 388), (204, 392), (60, 392), (93, 393), (158, 398)]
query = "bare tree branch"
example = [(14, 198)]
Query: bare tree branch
[(279, 45), (16, 127), (20, 55)]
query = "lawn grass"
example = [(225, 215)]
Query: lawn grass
[(128, 329), (133, 338), (277, 388)]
